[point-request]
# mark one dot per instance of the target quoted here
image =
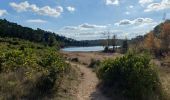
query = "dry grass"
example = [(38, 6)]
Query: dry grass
[(164, 70), (165, 80), (85, 57), (68, 87), (15, 85)]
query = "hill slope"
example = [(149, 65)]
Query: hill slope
[(13, 30)]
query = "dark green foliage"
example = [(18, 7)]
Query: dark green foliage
[(114, 43), (13, 30), (106, 49), (131, 76), (125, 46), (137, 39), (29, 71), (94, 63)]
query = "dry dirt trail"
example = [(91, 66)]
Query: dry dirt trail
[(87, 88)]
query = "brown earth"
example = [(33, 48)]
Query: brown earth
[(88, 86), (87, 89)]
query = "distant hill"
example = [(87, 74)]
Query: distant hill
[(100, 42), (13, 30)]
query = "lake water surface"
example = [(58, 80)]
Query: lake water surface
[(83, 49)]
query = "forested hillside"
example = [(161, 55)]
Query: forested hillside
[(13, 30), (156, 41)]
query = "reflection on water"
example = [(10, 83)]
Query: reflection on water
[(85, 49)]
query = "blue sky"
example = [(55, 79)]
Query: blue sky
[(87, 19)]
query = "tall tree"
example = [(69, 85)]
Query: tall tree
[(149, 41), (114, 42), (152, 43), (125, 46), (107, 44), (165, 37)]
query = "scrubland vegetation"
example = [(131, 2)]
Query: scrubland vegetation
[(29, 70), (140, 72), (133, 76), (32, 68)]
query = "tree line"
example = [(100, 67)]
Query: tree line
[(157, 41), (13, 30)]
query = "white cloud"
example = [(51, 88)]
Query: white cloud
[(86, 25), (3, 12), (123, 22), (71, 9), (127, 13), (46, 10), (137, 21), (143, 2), (88, 35), (112, 2), (84, 31), (131, 6), (140, 25), (164, 4), (70, 28), (21, 6), (59, 9), (36, 21)]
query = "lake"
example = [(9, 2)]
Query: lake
[(84, 49)]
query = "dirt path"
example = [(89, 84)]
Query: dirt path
[(87, 88)]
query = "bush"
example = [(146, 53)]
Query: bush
[(106, 49), (94, 63), (131, 76), (124, 47), (75, 59), (29, 73)]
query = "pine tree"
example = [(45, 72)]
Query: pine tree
[(114, 42), (125, 46)]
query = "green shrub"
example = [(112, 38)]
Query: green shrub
[(131, 76), (29, 73), (54, 64), (106, 49)]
